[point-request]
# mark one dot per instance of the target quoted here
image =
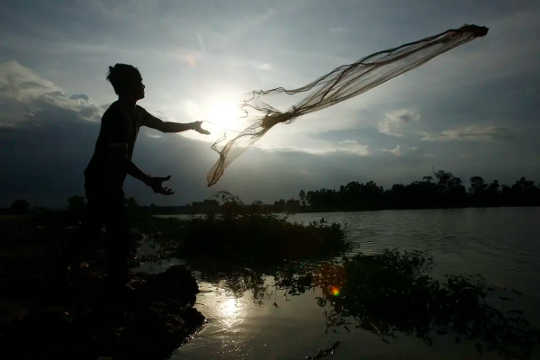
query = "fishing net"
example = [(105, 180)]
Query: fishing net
[(338, 85)]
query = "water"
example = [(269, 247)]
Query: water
[(501, 244)]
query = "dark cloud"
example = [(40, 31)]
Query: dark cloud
[(80, 96), (43, 159)]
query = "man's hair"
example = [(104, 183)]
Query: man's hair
[(121, 76)]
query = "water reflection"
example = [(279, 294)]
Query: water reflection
[(231, 312), (291, 310), (389, 295), (224, 309)]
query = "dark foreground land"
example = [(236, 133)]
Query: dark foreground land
[(46, 316), (48, 311)]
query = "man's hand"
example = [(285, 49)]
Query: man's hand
[(197, 127), (156, 183)]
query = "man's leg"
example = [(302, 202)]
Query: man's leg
[(76, 248), (118, 247)]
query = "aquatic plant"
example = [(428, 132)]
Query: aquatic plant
[(389, 294), (392, 292)]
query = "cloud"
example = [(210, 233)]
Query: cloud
[(394, 122), (395, 151), (324, 148), (468, 133), (353, 146), (47, 140), (22, 84), (27, 93), (46, 137)]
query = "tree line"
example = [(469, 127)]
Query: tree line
[(440, 190)]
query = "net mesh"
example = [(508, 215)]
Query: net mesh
[(338, 85)]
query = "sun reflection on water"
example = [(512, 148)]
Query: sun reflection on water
[(229, 308), (230, 311)]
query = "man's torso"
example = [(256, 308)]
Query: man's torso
[(119, 127)]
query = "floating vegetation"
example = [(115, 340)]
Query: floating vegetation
[(392, 293), (389, 294)]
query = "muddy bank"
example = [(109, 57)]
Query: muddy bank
[(42, 319), (44, 315)]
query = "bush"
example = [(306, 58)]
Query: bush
[(262, 237)]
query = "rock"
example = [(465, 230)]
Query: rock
[(176, 283)]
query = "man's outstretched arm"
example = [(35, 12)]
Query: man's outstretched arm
[(172, 127)]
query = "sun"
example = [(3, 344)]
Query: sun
[(224, 115), (220, 113)]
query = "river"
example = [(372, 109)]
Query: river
[(500, 244)]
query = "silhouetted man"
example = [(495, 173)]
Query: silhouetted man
[(105, 174)]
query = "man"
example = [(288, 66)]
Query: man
[(111, 162)]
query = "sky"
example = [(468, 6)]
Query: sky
[(471, 111)]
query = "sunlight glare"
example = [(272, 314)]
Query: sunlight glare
[(224, 115), (231, 310)]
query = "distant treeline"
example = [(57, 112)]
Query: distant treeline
[(440, 190)]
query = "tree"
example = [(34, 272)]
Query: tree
[(302, 196), (451, 191), (279, 205), (493, 188), (524, 192), (443, 177), (292, 205), (493, 193), (478, 186), (523, 186)]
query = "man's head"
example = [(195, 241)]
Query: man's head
[(126, 81)]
